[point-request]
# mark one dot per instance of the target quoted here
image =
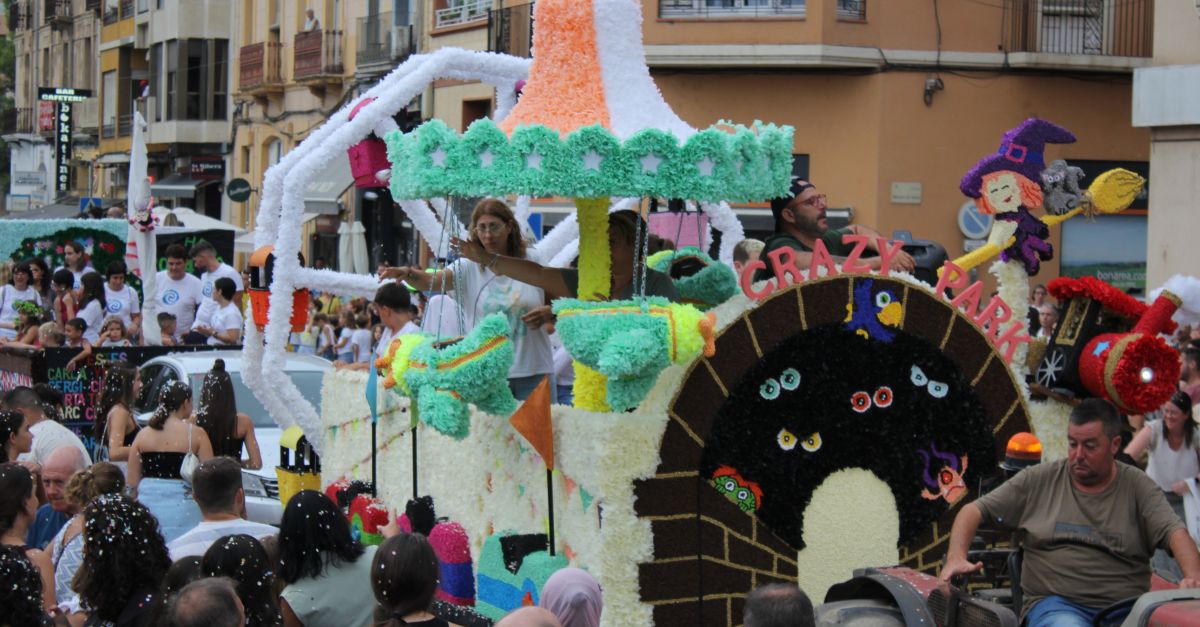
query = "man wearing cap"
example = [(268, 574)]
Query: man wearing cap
[(1088, 526), (800, 222)]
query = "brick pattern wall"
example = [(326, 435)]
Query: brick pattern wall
[(707, 553)]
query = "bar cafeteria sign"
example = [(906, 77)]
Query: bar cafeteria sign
[(66, 99)]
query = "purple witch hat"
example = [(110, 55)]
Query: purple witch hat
[(1020, 151)]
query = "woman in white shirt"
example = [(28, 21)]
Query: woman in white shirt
[(481, 292), (19, 288), (121, 301), (76, 260), (92, 306)]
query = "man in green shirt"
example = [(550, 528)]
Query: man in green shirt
[(1088, 526), (800, 222)]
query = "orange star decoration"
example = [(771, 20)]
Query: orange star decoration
[(532, 420)]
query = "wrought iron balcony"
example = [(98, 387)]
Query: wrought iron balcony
[(318, 55), (462, 12), (381, 43), (1123, 28), (510, 30), (259, 67), (731, 8), (57, 12)]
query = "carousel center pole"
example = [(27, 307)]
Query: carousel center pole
[(595, 283)]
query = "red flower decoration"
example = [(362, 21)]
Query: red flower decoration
[(1111, 298)]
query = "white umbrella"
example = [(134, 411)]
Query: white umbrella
[(358, 248), (141, 247), (193, 220), (345, 249)]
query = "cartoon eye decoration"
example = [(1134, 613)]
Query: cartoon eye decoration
[(883, 397), (946, 477), (918, 377), (786, 440), (730, 485), (812, 444), (883, 299), (937, 389), (860, 402), (790, 379), (743, 494), (769, 389)]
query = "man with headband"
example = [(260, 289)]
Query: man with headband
[(800, 222)]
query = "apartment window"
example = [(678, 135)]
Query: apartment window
[(109, 104), (245, 159), (402, 12), (85, 67), (455, 12), (171, 71), (219, 79), (155, 113), (731, 8), (197, 67), (274, 153), (46, 66), (143, 6)]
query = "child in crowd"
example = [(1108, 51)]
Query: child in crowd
[(166, 327), (325, 337), (50, 336), (75, 329), (361, 339), (64, 295), (29, 321), (343, 348), (113, 333)]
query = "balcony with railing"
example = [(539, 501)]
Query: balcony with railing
[(732, 8), (462, 12), (116, 11), (20, 16), (57, 12), (260, 67), (510, 30), (318, 55), (380, 44), (1119, 28)]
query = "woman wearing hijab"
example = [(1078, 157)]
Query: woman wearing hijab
[(574, 597)]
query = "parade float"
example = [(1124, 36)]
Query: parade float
[(788, 431)]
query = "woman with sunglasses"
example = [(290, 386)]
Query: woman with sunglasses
[(480, 291)]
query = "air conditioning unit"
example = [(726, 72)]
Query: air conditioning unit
[(402, 41)]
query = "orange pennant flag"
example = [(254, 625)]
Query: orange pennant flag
[(532, 420)]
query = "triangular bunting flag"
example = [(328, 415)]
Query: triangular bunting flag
[(532, 420)]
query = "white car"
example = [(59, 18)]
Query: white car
[(261, 486)]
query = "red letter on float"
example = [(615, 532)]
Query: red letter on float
[(970, 298), (852, 262), (747, 280), (1012, 340), (952, 277), (785, 266), (993, 315), (887, 252), (821, 257)]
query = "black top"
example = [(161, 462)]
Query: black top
[(130, 435), (162, 465), (432, 622), (138, 612)]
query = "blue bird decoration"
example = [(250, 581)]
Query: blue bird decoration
[(870, 314)]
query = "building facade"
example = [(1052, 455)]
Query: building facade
[(54, 43), (1164, 101), (892, 103), (293, 71)]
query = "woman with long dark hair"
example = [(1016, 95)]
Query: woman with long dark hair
[(404, 577), (92, 306), (124, 560), (66, 549), (156, 457), (19, 289), (242, 558), (40, 280), (114, 425), (18, 509), (325, 569), (21, 590), (15, 437), (218, 416)]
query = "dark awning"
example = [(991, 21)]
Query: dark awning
[(178, 186), (323, 191)]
